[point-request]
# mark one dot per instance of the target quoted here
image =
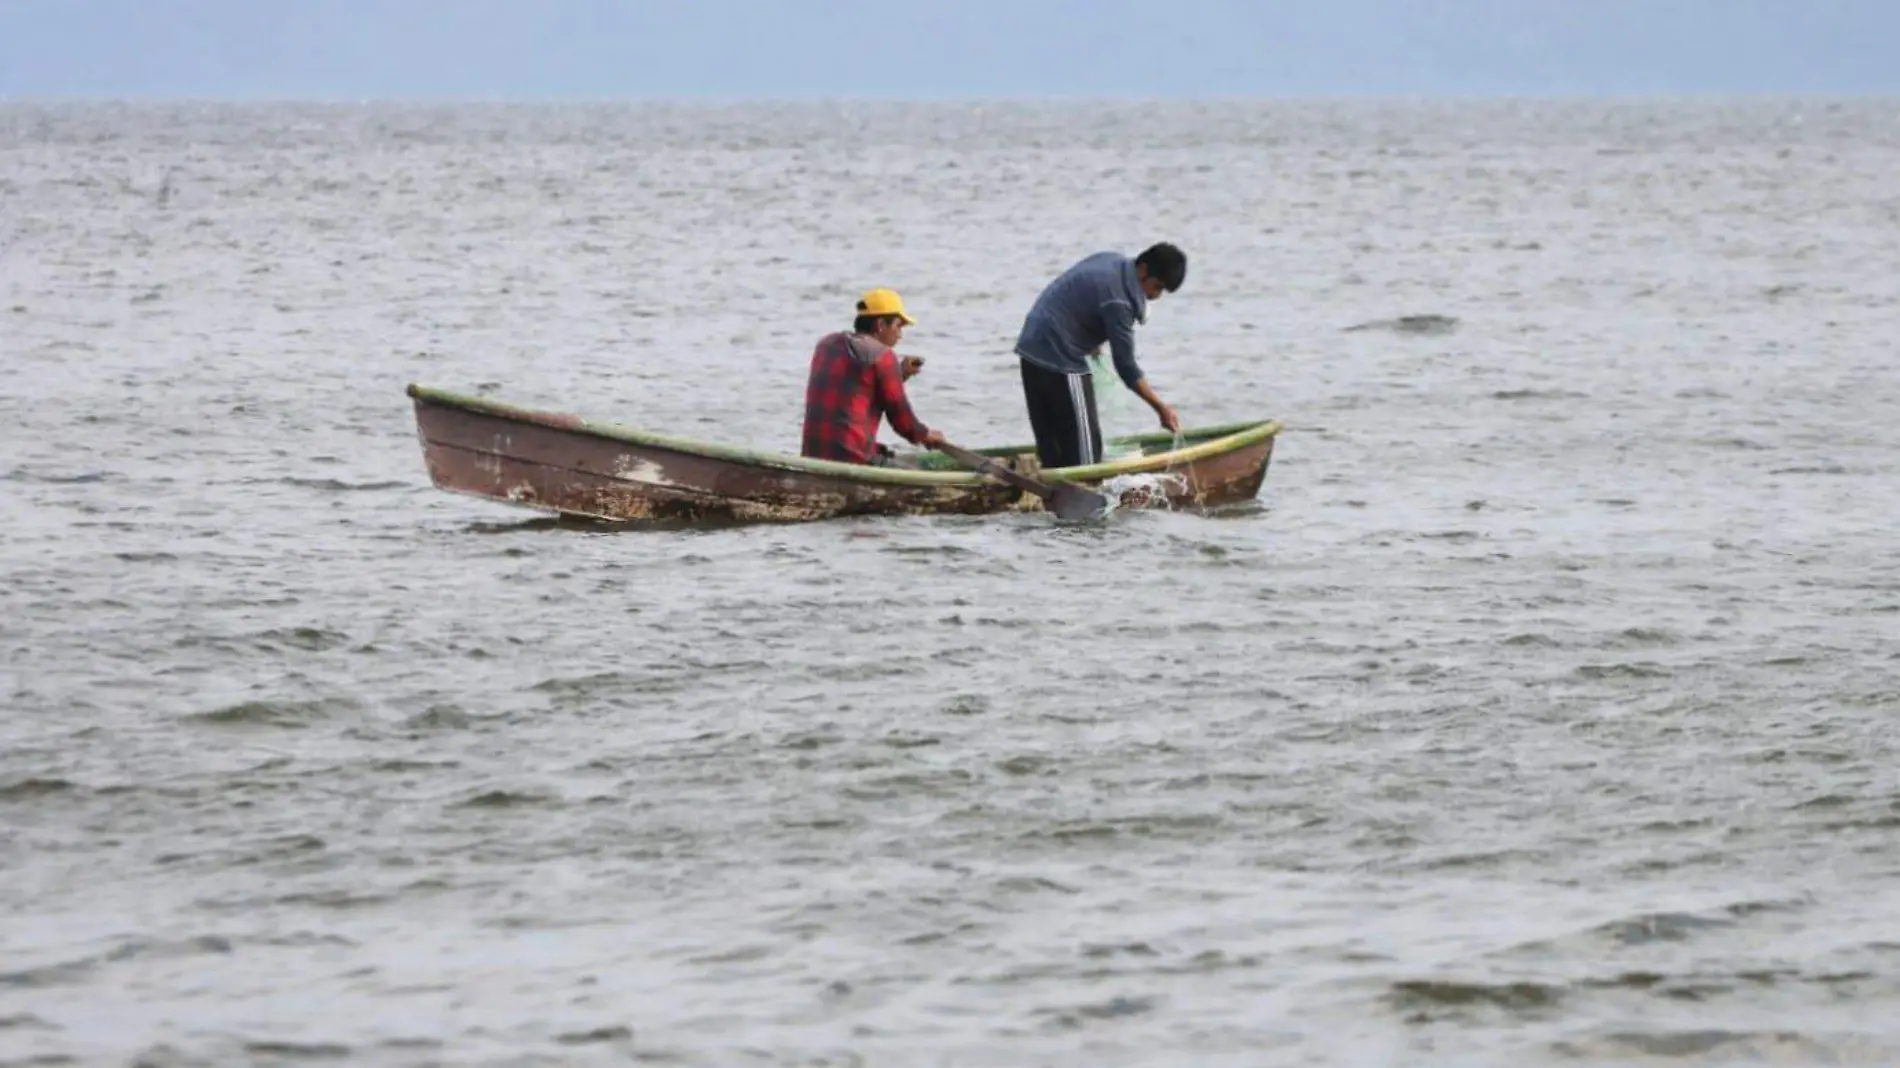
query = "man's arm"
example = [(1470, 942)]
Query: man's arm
[(890, 391), (1120, 319), (1162, 410)]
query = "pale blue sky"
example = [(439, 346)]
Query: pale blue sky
[(331, 49)]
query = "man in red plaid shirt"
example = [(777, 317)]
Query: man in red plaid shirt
[(856, 381)]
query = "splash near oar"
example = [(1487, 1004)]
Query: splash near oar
[(1150, 490)]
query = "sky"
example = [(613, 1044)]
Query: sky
[(935, 49)]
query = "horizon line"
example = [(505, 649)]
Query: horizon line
[(722, 99)]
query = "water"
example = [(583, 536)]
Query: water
[(1539, 714)]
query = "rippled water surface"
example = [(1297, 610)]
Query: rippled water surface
[(1539, 713)]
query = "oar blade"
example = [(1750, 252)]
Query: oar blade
[(1076, 504)]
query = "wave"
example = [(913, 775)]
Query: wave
[(289, 714), (21, 474), (1414, 325), (1539, 394), (33, 788), (509, 799), (1427, 996), (337, 485), (1729, 1047)]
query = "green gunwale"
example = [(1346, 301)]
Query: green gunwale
[(1205, 441)]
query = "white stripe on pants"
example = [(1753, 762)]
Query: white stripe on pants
[(1084, 445)]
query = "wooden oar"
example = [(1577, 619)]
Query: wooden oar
[(1065, 499)]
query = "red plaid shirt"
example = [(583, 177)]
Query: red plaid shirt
[(855, 382)]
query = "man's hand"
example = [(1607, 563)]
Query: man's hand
[(1162, 411), (909, 366), (931, 439)]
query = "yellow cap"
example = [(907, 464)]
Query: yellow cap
[(884, 302)]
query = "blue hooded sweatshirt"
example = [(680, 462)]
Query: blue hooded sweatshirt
[(1098, 300)]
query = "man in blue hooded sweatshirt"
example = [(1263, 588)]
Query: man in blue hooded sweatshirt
[(1097, 301)]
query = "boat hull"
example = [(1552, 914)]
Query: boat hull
[(564, 464)]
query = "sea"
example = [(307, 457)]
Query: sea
[(1539, 712)]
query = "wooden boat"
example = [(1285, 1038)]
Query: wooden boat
[(562, 463)]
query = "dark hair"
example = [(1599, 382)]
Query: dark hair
[(867, 324), (1166, 264)]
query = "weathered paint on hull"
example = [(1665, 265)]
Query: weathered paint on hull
[(581, 475), (554, 463)]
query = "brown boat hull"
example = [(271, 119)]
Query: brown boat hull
[(563, 464)]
